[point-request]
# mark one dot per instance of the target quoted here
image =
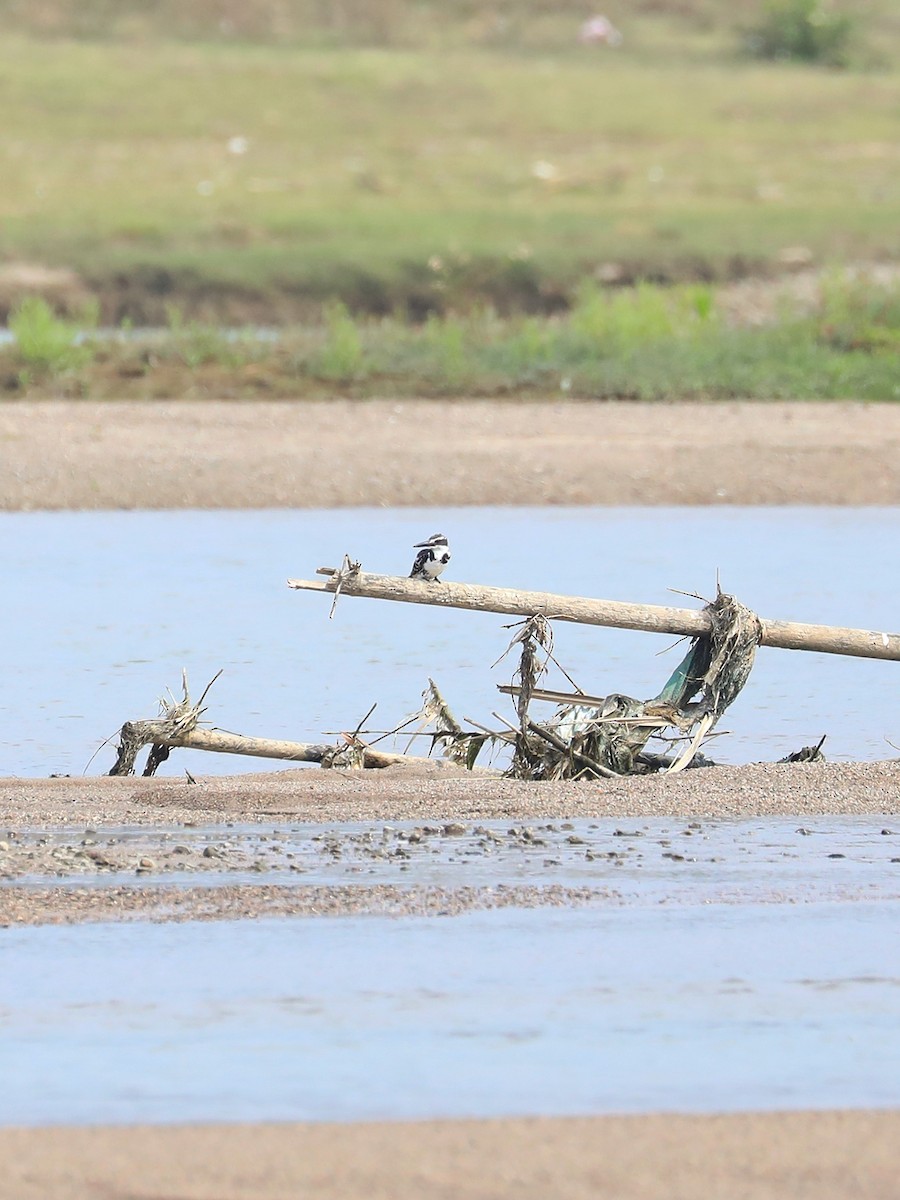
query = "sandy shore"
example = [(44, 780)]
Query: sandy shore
[(84, 455), (767, 1156), (446, 793), (260, 454)]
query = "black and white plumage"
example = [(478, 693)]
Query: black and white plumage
[(433, 556)]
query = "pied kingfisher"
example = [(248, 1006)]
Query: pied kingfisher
[(433, 556)]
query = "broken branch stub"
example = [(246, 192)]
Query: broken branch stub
[(177, 719)]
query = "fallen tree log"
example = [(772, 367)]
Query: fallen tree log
[(614, 614), (159, 732), (221, 742), (238, 743)]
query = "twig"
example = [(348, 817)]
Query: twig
[(494, 733), (348, 570)]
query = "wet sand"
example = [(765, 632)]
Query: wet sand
[(54, 834), (233, 455)]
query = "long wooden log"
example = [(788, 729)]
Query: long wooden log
[(235, 743), (220, 742), (615, 614)]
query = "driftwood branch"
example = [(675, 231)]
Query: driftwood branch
[(177, 726), (158, 733), (598, 702), (615, 614), (154, 733)]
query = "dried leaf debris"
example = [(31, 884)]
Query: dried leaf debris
[(603, 736)]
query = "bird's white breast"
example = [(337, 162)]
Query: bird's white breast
[(435, 563)]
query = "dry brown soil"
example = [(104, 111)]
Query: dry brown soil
[(261, 454)]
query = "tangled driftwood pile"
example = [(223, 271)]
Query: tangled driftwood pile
[(586, 736)]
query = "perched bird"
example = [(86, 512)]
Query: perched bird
[(433, 556)]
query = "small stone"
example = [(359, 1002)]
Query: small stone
[(98, 857), (453, 829), (147, 863)]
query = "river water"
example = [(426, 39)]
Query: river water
[(681, 1007)]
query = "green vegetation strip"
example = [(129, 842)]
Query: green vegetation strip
[(644, 343)]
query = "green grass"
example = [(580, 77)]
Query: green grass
[(647, 343), (445, 164), (341, 357), (806, 30), (196, 344), (44, 342)]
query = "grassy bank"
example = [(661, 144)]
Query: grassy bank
[(411, 160), (645, 343)]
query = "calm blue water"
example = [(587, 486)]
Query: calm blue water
[(102, 611), (685, 1008)]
